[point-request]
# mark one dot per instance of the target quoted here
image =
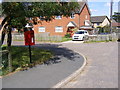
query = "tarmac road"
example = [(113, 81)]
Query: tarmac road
[(102, 65), (48, 75), (101, 70)]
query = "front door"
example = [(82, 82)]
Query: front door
[(70, 31)]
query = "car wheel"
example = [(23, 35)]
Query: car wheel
[(83, 38)]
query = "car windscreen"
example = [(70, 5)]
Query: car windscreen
[(79, 32)]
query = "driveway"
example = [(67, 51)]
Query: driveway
[(102, 68), (49, 74)]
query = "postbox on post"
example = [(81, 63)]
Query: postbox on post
[(29, 38)]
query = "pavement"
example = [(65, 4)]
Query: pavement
[(49, 74), (101, 70)]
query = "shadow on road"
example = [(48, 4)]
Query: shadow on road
[(59, 52)]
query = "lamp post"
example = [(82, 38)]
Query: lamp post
[(111, 10)]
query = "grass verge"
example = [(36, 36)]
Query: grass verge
[(20, 58), (66, 39)]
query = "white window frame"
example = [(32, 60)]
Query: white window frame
[(86, 16), (41, 29), (58, 17), (58, 29), (72, 16), (87, 23)]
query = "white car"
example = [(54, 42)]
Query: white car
[(80, 35)]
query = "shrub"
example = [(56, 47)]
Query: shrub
[(68, 35)]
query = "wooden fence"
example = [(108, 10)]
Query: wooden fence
[(107, 37), (38, 37)]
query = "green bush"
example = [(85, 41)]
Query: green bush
[(67, 35), (105, 29)]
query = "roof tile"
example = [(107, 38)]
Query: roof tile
[(99, 19)]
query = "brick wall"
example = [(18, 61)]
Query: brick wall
[(50, 26), (84, 15)]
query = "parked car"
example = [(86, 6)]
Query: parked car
[(80, 35)]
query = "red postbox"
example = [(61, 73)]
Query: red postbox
[(29, 37)]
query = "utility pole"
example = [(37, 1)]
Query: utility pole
[(111, 10)]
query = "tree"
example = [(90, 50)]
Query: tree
[(14, 17), (0, 9), (17, 14), (116, 17), (106, 29)]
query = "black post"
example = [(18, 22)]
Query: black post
[(30, 53)]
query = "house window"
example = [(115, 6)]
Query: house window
[(41, 18), (98, 24), (118, 27), (41, 29), (58, 17), (87, 23), (58, 29), (30, 18), (72, 16)]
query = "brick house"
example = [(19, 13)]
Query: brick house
[(62, 25)]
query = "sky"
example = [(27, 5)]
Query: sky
[(100, 8)]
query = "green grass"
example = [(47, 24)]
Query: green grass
[(66, 39), (20, 58)]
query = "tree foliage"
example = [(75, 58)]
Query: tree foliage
[(116, 17), (17, 14), (0, 9)]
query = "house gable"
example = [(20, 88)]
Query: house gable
[(71, 24), (105, 22), (100, 21), (84, 15), (82, 8)]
